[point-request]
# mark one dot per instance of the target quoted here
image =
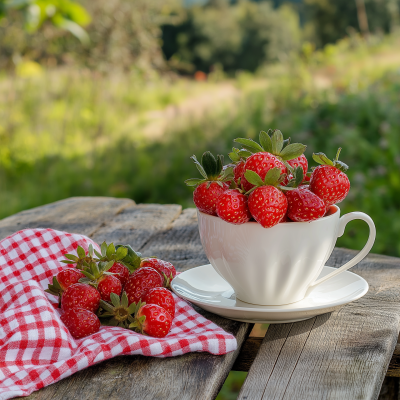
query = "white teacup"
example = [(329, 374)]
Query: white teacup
[(276, 266)]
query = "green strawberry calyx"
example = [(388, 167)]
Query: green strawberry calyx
[(272, 178), (322, 159), (274, 143), (211, 169), (237, 155), (297, 179), (119, 313), (82, 260)]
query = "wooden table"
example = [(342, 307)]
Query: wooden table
[(339, 355)]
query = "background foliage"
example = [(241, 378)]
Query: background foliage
[(112, 97)]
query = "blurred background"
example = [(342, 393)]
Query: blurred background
[(112, 97)]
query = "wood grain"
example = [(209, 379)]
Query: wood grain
[(75, 215), (339, 355), (163, 231)]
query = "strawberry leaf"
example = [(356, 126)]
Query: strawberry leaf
[(210, 164), (121, 253), (110, 250), (115, 299), (244, 153), (97, 254), (253, 178), (277, 141), (272, 176), (132, 308), (194, 181), (292, 151), (81, 252), (124, 300), (265, 141), (71, 257), (108, 265), (249, 145), (234, 156), (90, 250), (299, 173), (322, 159), (68, 262), (106, 306), (103, 249)]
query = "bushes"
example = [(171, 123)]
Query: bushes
[(365, 124)]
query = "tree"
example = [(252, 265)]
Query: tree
[(64, 14)]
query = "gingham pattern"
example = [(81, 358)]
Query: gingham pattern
[(36, 348)]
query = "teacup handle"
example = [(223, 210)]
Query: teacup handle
[(342, 225)]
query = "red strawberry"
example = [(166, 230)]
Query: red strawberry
[(165, 268), (156, 322), (213, 183), (238, 171), (267, 204), (81, 322), (300, 161), (304, 205), (109, 284), (68, 277), (261, 163), (232, 207), (270, 153), (162, 297), (206, 195), (140, 282), (82, 296), (120, 271), (328, 181)]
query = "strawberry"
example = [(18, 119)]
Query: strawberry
[(140, 282), (272, 153), (120, 271), (63, 280), (109, 284), (261, 163), (80, 322), (162, 297), (232, 207), (303, 205), (68, 277), (328, 180), (267, 204), (213, 183), (165, 268), (206, 195), (82, 296), (300, 161), (238, 171), (152, 320)]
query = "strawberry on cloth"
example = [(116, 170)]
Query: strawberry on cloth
[(36, 348)]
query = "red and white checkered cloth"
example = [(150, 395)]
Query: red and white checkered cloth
[(36, 349)]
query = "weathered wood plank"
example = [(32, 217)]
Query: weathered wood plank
[(75, 215), (340, 355), (155, 230), (252, 345)]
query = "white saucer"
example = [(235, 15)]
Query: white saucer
[(204, 287)]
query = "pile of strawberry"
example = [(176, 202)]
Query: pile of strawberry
[(268, 182), (116, 286)]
